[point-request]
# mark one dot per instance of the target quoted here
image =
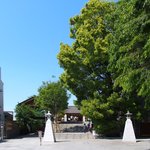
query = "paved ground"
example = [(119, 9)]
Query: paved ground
[(33, 143)]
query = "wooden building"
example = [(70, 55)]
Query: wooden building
[(73, 114)]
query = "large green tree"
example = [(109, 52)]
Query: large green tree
[(53, 97), (130, 56), (85, 63), (108, 65)]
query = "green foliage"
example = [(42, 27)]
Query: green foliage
[(26, 117), (52, 97), (130, 52), (85, 62), (104, 113), (107, 67)]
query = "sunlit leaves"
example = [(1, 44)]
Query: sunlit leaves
[(129, 51), (107, 66), (52, 97)]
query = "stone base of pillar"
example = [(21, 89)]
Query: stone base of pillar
[(49, 134), (129, 135)]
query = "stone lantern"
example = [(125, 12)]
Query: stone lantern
[(128, 135)]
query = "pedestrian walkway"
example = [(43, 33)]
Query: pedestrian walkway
[(30, 143)]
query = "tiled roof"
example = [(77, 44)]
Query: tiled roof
[(72, 110), (29, 101)]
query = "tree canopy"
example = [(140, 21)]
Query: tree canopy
[(129, 53), (26, 117), (107, 67), (86, 61), (52, 97)]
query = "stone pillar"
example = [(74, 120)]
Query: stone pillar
[(128, 135), (49, 133)]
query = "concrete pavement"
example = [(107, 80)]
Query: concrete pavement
[(33, 143)]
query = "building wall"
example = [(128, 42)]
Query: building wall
[(11, 129), (1, 107), (1, 95)]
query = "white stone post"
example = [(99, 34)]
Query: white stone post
[(49, 133), (128, 135), (83, 119), (65, 118)]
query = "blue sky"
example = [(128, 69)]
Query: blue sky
[(30, 35)]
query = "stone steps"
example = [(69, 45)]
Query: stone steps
[(70, 135), (69, 128)]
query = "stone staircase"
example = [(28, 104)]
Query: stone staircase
[(72, 131), (70, 135), (69, 127)]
